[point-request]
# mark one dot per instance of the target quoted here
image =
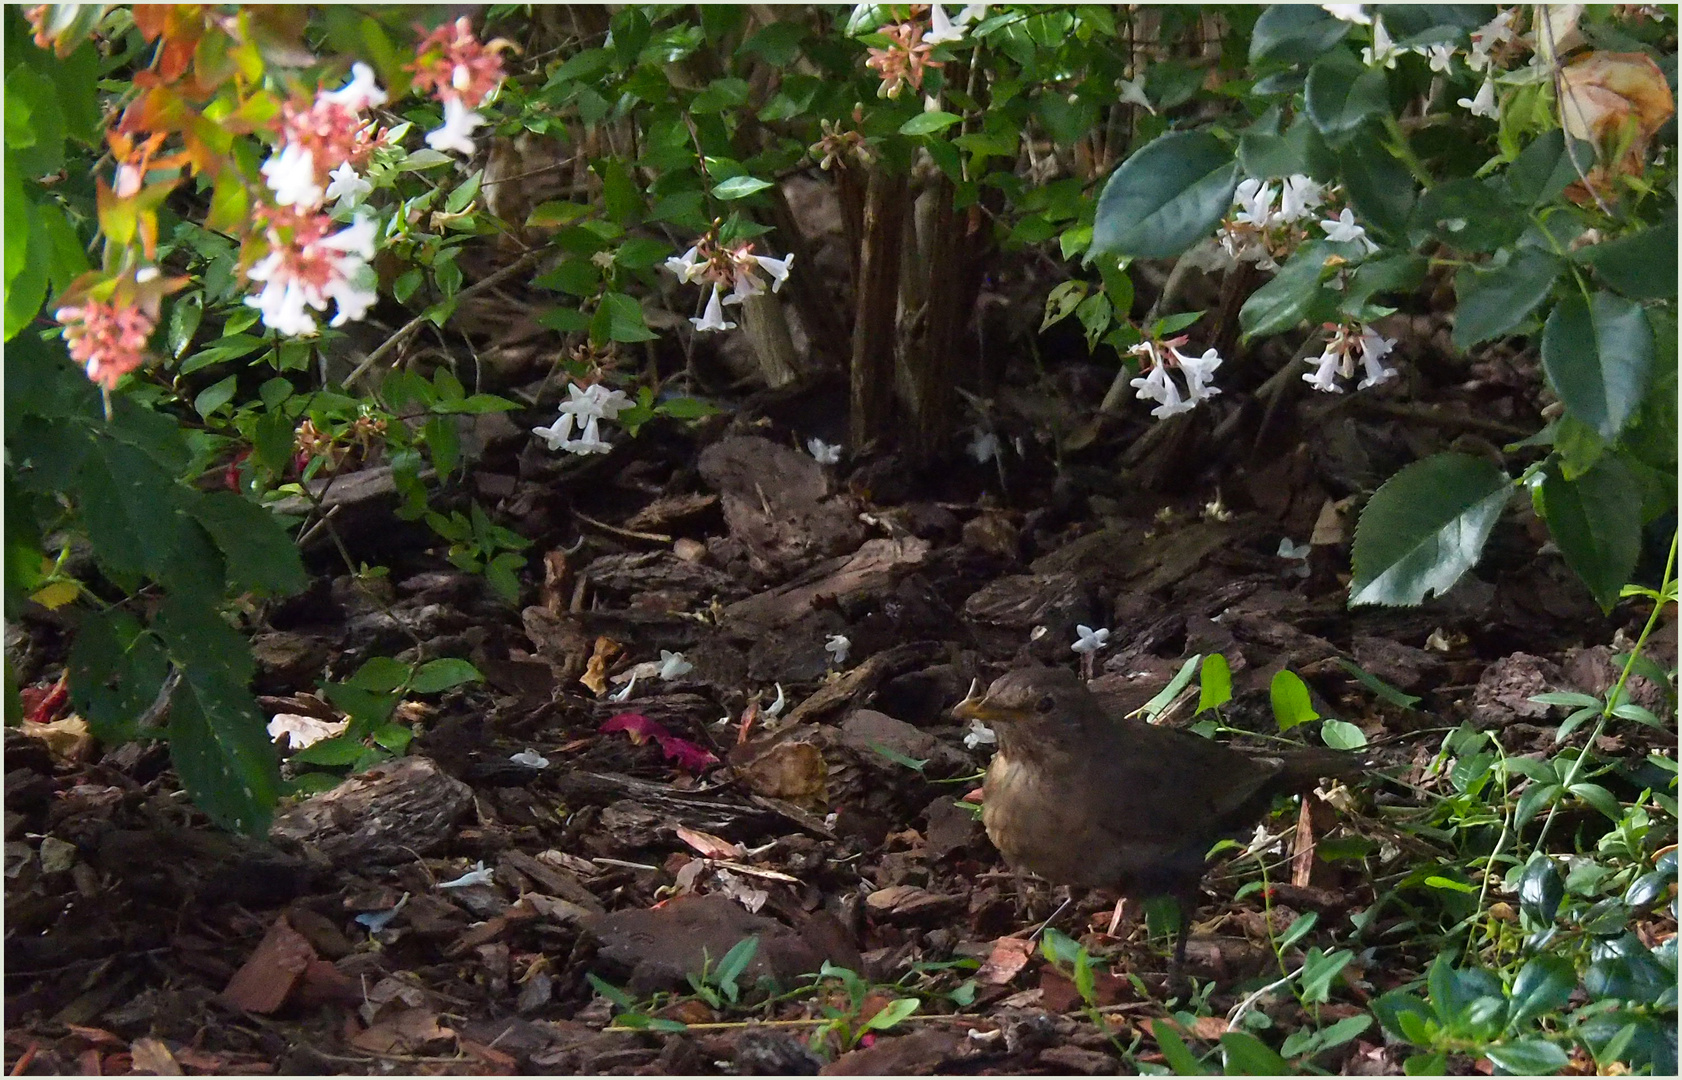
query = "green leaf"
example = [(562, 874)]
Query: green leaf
[(1242, 1054), (739, 187), (131, 520), (379, 674), (1165, 198), (1289, 697), (891, 1014), (258, 554), (337, 752), (116, 671), (1598, 356), (1378, 686), (1380, 188), (914, 764), (1493, 302), (1424, 528), (1180, 1059), (1318, 971), (927, 123), (620, 318), (734, 963), (436, 675), (1641, 265), (1342, 735), (28, 290), (1543, 985), (215, 396), (393, 737), (1168, 693), (1528, 1057), (1392, 1006), (221, 750), (1297, 292), (551, 215), (1216, 682), (1468, 215), (1295, 33), (1596, 521), (1542, 170), (1342, 92)]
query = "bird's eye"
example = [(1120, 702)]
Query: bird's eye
[(1045, 704)]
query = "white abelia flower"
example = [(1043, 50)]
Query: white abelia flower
[(1300, 198), (1090, 640), (984, 447), (1342, 229), (347, 188), (1441, 55), (1484, 103), (456, 133), (825, 453), (686, 266), (531, 759), (838, 646), (1349, 13), (362, 92), (590, 442), (777, 268), (941, 29), (1255, 200), (1374, 348), (979, 734), (672, 665), (557, 434), (1383, 51), (1157, 386), (713, 318), (1198, 370), (291, 176), (479, 875), (1324, 375)]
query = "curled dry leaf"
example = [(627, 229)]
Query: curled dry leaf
[(1604, 95), (787, 770), (302, 731), (713, 847), (595, 672), (1009, 956)]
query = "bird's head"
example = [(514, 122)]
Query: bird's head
[(1026, 696)]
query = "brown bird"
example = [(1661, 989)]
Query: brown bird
[(1081, 798)]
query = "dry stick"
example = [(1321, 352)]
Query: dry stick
[(658, 538), (418, 321)]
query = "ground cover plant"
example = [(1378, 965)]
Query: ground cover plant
[(501, 505)]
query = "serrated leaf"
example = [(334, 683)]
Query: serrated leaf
[(1598, 356), (1493, 302), (257, 552), (1425, 528), (221, 750), (1165, 197), (134, 526), (1641, 265), (1596, 521)]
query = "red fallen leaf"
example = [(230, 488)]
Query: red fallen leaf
[(1009, 956), (683, 753), (41, 711)]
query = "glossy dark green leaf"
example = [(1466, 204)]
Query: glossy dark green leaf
[(1493, 302), (1391, 1007), (1468, 215), (1596, 521), (1528, 1057), (620, 319), (1598, 355), (739, 187), (116, 671), (927, 123), (1380, 187), (1297, 292), (1541, 889), (1342, 92), (1295, 33), (1165, 198), (1542, 986), (1424, 528), (1542, 170), (1641, 265)]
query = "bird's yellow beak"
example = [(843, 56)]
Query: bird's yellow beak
[(975, 706)]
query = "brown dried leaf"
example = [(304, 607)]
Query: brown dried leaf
[(1009, 956), (595, 672), (788, 770)]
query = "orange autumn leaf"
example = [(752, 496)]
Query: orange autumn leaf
[(1608, 98)]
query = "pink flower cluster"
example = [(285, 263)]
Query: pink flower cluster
[(310, 260), (107, 339), (462, 73)]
